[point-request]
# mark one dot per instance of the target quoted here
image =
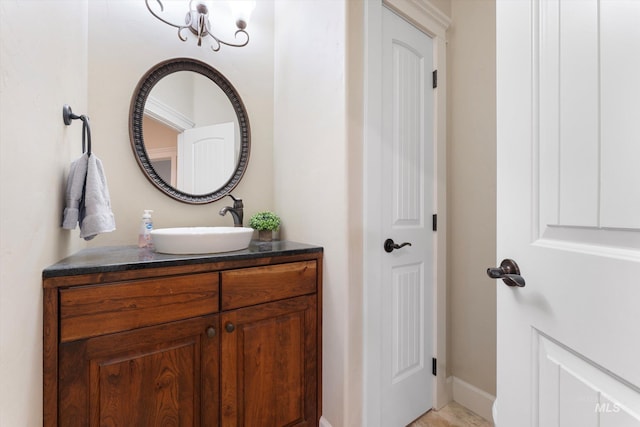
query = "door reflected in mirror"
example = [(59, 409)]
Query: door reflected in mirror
[(193, 141)]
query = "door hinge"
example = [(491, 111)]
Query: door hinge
[(435, 79), (434, 222), (434, 366)]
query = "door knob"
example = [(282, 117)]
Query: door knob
[(390, 245), (508, 272), (230, 327)]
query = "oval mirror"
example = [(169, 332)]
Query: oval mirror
[(189, 131)]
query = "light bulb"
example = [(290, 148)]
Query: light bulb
[(241, 11)]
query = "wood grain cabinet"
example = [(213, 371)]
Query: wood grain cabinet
[(269, 353), (229, 343)]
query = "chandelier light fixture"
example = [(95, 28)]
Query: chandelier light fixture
[(197, 21)]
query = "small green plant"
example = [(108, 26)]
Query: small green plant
[(265, 221)]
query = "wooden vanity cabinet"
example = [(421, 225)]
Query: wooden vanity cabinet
[(220, 344), (165, 375), (270, 350)]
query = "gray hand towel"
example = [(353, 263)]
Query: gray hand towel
[(96, 217), (74, 193)]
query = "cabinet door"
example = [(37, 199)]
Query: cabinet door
[(163, 375), (269, 364)]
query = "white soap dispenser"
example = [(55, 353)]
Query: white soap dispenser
[(146, 225)]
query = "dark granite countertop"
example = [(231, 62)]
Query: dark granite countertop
[(121, 258)]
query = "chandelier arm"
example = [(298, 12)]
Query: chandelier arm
[(180, 36), (206, 31), (236, 36), (180, 27), (218, 43), (216, 47)]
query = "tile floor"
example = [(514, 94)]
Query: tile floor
[(452, 415)]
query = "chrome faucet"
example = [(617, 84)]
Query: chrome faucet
[(237, 211)]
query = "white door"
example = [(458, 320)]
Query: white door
[(569, 212), (400, 323), (206, 158)]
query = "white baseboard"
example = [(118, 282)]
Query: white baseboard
[(324, 422), (471, 397), (457, 390), (449, 389)]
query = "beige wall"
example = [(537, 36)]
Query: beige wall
[(124, 42), (158, 135), (314, 177), (443, 5), (37, 76), (471, 193)]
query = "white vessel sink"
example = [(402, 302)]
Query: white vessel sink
[(200, 240)]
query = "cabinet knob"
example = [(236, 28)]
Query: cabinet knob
[(211, 332), (230, 327)]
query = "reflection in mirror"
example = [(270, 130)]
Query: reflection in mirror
[(193, 141), (191, 133)]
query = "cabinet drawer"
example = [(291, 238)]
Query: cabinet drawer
[(101, 309), (250, 286)]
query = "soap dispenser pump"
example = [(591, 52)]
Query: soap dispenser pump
[(146, 225)]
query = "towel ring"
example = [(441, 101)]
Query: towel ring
[(68, 117), (86, 131)]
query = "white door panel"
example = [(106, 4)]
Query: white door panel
[(585, 392), (620, 111), (568, 212), (407, 187), (206, 158)]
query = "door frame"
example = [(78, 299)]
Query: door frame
[(429, 19)]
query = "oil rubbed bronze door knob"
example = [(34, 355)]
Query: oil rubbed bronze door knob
[(211, 332), (230, 327), (390, 245), (508, 272)]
